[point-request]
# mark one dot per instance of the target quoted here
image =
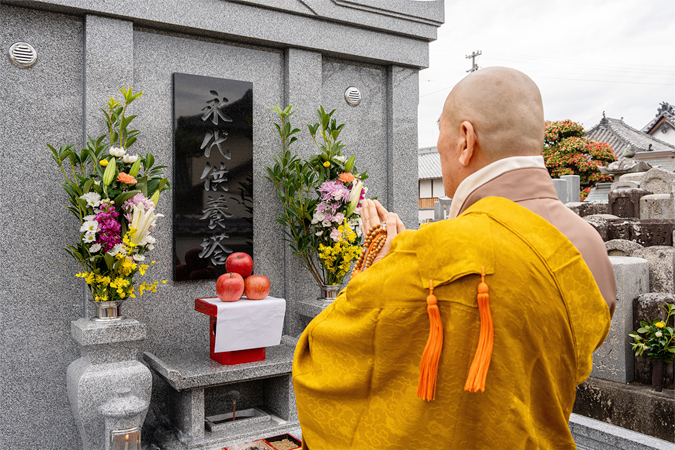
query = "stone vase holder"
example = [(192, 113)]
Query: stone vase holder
[(108, 388), (657, 375)]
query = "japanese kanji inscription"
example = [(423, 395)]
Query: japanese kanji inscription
[(213, 173)]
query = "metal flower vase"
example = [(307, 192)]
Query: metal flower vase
[(107, 311), (329, 291)]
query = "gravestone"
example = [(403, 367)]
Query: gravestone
[(583, 209), (661, 267), (632, 177), (648, 307), (652, 232), (601, 224), (621, 247), (573, 187), (657, 206), (625, 185), (626, 202), (614, 359), (659, 181), (561, 189), (213, 174)]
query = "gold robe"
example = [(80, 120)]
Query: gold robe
[(356, 366)]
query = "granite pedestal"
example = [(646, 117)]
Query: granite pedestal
[(196, 387)]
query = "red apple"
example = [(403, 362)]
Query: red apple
[(240, 263), (256, 287), (229, 287)]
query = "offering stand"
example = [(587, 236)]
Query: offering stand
[(198, 387)]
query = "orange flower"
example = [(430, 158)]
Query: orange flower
[(346, 177), (126, 178)]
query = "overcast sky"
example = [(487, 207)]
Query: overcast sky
[(586, 56)]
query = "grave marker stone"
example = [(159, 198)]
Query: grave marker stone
[(573, 187), (621, 247), (213, 174), (657, 206), (614, 359), (661, 261), (561, 189), (626, 202), (657, 180), (632, 177)]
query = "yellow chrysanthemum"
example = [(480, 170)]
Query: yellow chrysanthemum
[(660, 324)]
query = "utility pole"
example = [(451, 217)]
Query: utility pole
[(473, 56)]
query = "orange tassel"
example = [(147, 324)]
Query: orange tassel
[(432, 352), (481, 361)]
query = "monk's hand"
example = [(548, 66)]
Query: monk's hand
[(373, 214)]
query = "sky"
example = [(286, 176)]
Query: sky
[(586, 56)]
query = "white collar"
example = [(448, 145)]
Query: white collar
[(487, 173)]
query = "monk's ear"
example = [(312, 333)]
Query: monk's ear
[(467, 143)]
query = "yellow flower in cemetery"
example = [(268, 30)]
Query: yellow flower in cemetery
[(103, 162), (326, 164), (660, 324)]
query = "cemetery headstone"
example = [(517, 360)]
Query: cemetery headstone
[(621, 247), (614, 359), (632, 177), (573, 187), (561, 189), (601, 223), (659, 181), (657, 206), (583, 209), (213, 174), (661, 261), (626, 202)]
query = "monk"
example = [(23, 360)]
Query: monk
[(472, 332)]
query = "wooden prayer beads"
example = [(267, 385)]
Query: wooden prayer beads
[(373, 243)]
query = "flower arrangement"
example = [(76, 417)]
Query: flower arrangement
[(321, 199), (656, 337), (114, 202)]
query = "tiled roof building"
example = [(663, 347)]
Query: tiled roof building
[(625, 139), (663, 124), (628, 141), (428, 163)]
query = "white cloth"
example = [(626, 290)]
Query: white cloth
[(247, 324), (487, 173)]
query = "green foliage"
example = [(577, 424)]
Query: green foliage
[(656, 337), (567, 152), (297, 181)]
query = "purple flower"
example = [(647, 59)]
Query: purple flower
[(109, 233), (332, 191), (139, 198)]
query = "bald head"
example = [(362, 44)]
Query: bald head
[(504, 106)]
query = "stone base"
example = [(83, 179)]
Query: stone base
[(632, 406), (591, 434)]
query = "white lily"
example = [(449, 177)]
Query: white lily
[(129, 159), (117, 151), (354, 197), (142, 221)]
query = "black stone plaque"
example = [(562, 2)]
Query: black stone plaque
[(213, 174)]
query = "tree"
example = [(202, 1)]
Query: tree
[(568, 152)]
